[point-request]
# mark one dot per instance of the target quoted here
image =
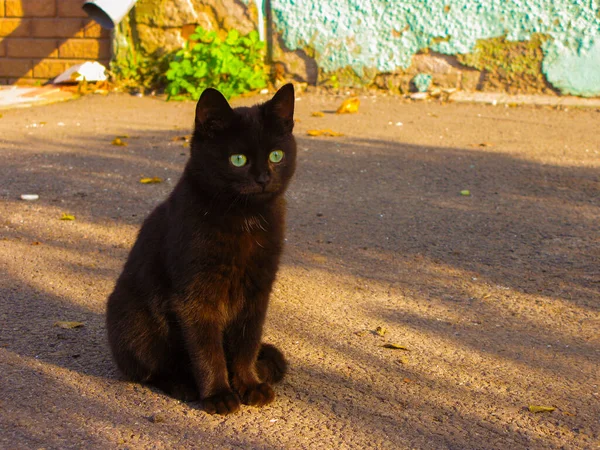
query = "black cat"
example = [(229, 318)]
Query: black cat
[(187, 312)]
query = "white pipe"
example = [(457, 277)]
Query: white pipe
[(262, 27), (108, 13)]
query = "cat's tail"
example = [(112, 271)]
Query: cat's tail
[(271, 364)]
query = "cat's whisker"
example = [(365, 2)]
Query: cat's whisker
[(232, 203)]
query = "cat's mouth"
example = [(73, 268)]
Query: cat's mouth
[(258, 191), (261, 195), (258, 195)]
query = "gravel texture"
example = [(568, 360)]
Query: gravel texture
[(495, 295)]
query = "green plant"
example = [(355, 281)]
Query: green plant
[(233, 66), (136, 71), (132, 68)]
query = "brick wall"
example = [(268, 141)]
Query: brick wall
[(39, 39)]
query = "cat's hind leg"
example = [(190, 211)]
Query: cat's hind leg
[(271, 365)]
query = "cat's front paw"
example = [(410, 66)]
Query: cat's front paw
[(222, 403), (258, 395)]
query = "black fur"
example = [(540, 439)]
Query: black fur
[(187, 312)]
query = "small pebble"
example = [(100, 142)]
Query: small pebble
[(157, 418), (30, 197), (419, 95)]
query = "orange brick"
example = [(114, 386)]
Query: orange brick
[(93, 30), (31, 8), (85, 48), (15, 67), (15, 27), (59, 28), (1, 8), (48, 68), (30, 48), (70, 8)]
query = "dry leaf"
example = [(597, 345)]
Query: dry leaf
[(325, 132), (35, 243), (186, 138), (380, 331), (119, 142), (408, 380), (318, 114), (152, 180), (68, 325), (396, 347), (66, 216), (539, 409), (349, 106)]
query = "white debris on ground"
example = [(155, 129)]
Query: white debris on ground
[(87, 71)]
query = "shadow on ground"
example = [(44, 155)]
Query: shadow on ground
[(378, 222)]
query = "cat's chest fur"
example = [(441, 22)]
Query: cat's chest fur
[(247, 247), (237, 261)]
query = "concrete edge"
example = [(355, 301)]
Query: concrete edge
[(495, 98)]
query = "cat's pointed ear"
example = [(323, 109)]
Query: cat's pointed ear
[(281, 107), (212, 111)]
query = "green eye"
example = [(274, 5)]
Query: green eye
[(276, 156), (238, 160)]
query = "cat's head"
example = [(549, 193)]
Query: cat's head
[(244, 153)]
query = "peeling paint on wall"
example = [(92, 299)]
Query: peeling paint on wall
[(385, 34), (576, 73)]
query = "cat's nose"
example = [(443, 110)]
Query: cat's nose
[(263, 179)]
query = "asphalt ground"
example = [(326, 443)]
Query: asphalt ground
[(494, 296)]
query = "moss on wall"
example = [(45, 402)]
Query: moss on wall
[(514, 66), (386, 34)]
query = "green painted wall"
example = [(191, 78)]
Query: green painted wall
[(385, 34)]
